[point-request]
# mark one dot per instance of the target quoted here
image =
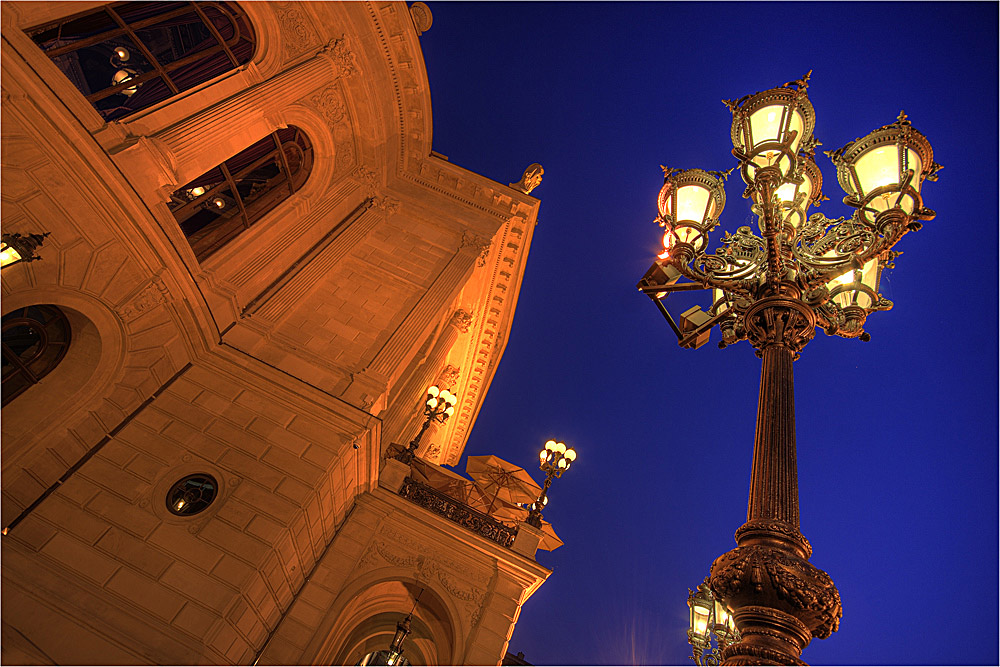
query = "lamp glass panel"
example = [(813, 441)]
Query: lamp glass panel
[(786, 193), (765, 124), (692, 203), (8, 255), (869, 273), (720, 613), (699, 619)]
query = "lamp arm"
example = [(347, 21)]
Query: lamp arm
[(706, 278)]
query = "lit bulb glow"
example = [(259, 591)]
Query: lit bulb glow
[(197, 191), (432, 403), (692, 203), (571, 454), (8, 255), (880, 168)]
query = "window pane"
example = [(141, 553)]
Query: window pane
[(184, 51), (211, 212), (35, 340)]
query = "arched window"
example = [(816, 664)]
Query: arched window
[(213, 208), (127, 56), (35, 340)]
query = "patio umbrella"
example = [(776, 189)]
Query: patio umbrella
[(550, 541), (509, 514), (502, 480), (449, 483)]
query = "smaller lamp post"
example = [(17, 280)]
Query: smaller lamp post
[(555, 459), (439, 406), (709, 616), (15, 248)]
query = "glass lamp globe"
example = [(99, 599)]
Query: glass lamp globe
[(857, 287), (690, 203), (886, 170), (769, 127), (795, 198)]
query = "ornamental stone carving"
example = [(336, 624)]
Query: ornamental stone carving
[(339, 51), (422, 18), (368, 178), (530, 179), (387, 204), (330, 104), (151, 296), (449, 376), (295, 28), (470, 240), (461, 320)]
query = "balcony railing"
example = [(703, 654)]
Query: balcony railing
[(457, 511)]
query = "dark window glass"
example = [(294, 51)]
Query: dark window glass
[(130, 55), (215, 207), (192, 494), (35, 339)]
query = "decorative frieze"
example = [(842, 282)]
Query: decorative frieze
[(296, 30), (152, 295)]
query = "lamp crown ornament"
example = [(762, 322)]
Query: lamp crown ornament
[(803, 271)]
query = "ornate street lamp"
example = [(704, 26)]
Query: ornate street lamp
[(439, 406), (15, 248), (393, 656), (709, 620), (773, 290), (554, 460)]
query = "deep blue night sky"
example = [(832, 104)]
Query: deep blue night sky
[(897, 438)]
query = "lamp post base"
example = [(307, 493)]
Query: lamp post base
[(779, 600)]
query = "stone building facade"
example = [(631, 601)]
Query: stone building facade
[(277, 349)]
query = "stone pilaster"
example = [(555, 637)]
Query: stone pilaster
[(397, 353)]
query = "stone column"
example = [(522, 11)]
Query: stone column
[(184, 142)]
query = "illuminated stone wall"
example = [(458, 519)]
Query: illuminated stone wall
[(283, 365)]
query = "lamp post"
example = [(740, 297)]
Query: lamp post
[(709, 619), (15, 248), (554, 460), (439, 406), (773, 290)]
